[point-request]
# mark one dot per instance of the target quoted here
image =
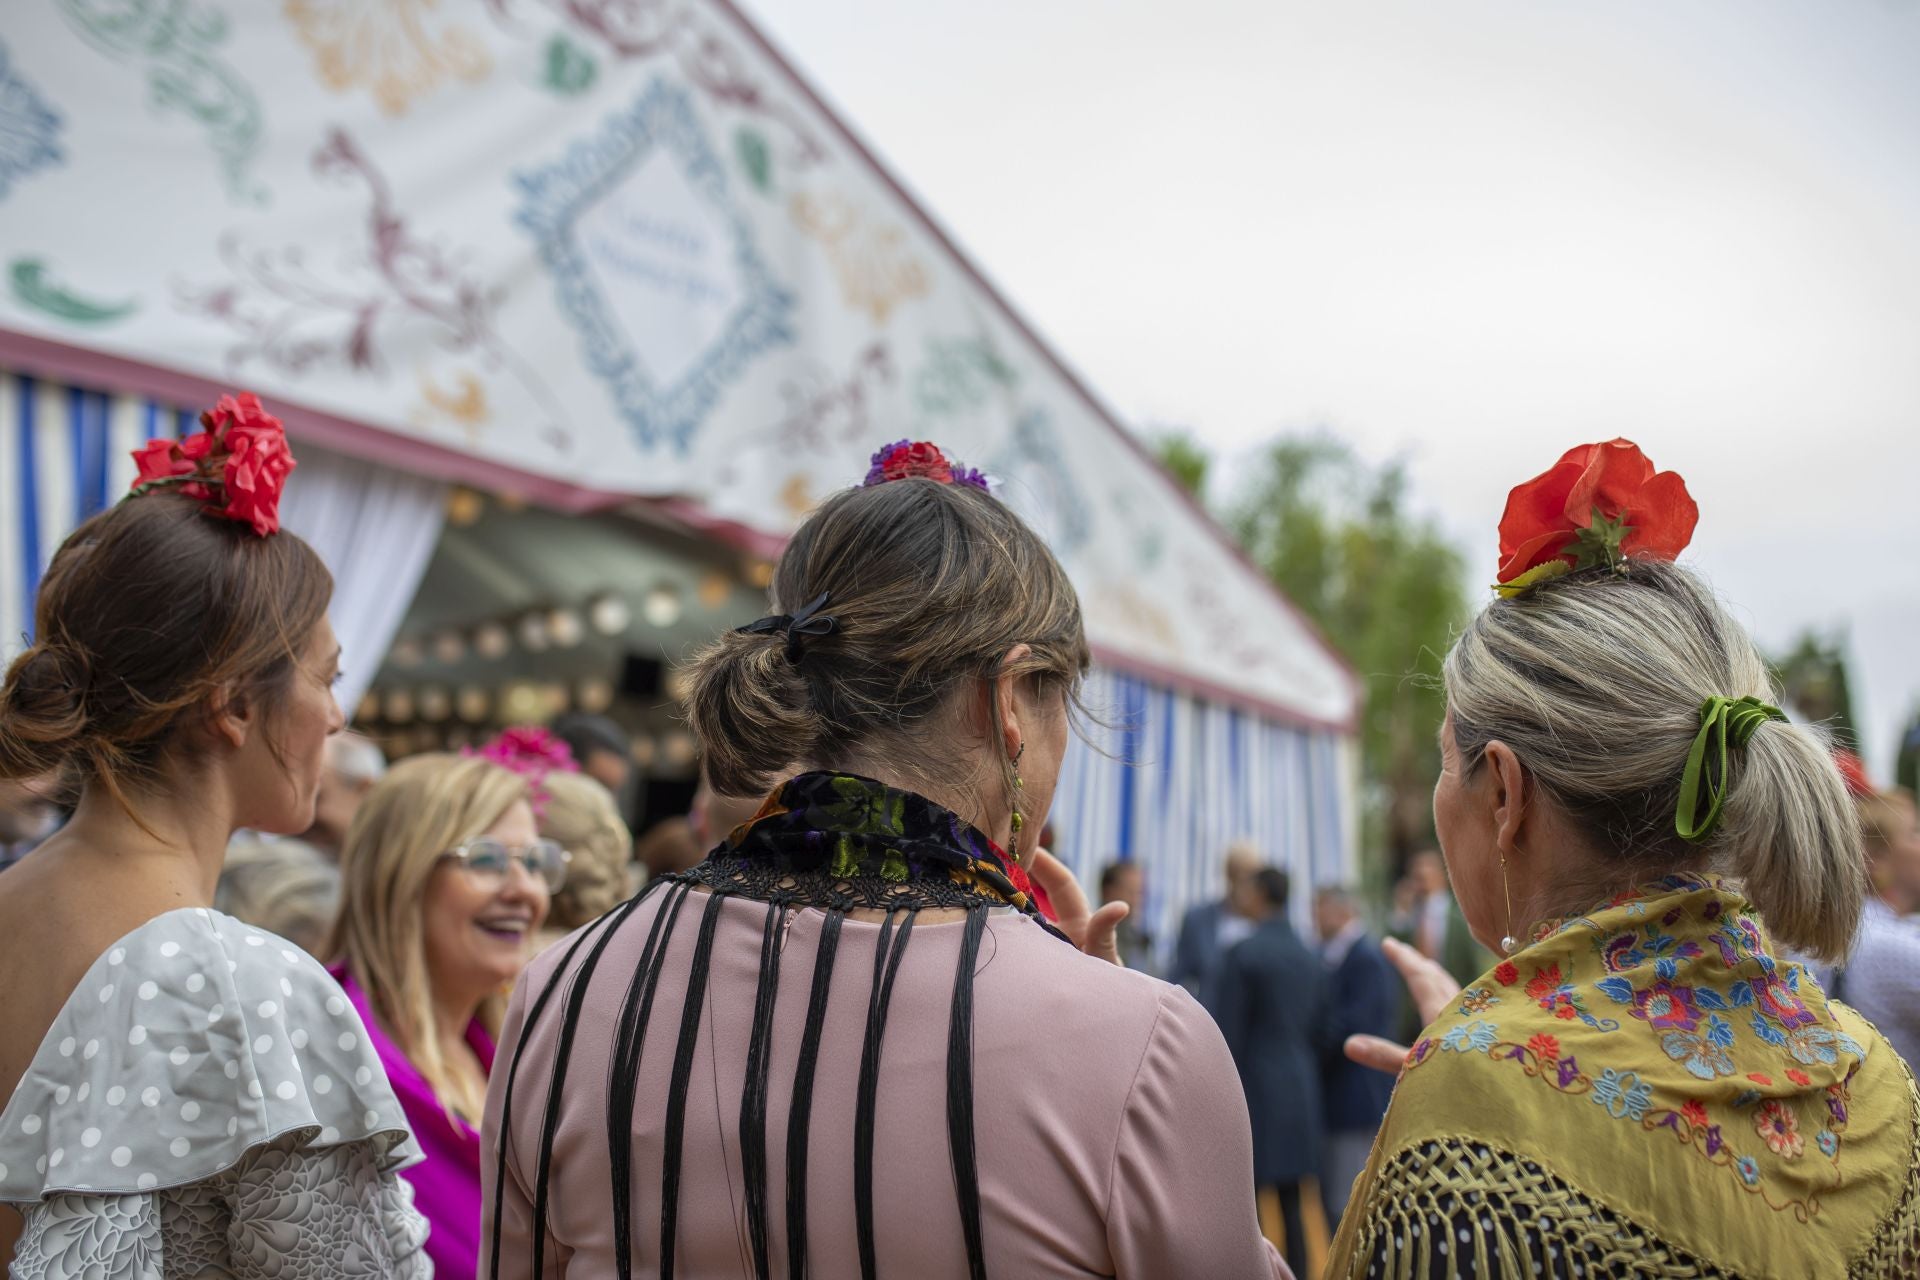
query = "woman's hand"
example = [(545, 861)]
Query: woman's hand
[(1092, 931), (1432, 989)]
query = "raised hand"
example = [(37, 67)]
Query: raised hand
[(1092, 931)]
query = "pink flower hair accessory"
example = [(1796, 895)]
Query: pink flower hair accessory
[(531, 752)]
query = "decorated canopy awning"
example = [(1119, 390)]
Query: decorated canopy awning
[(589, 251)]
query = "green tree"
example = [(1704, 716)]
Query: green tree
[(1906, 760), (1337, 536), (1184, 456), (1813, 680)]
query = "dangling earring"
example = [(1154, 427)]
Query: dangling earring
[(1507, 943), (1019, 819)]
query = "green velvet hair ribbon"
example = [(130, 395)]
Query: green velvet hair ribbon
[(1724, 722)]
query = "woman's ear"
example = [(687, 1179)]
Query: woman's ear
[(231, 718), (1507, 795), (1006, 689)]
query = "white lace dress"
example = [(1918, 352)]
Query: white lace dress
[(207, 1106)]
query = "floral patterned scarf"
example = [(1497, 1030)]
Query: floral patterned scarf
[(1653, 1064), (839, 840)]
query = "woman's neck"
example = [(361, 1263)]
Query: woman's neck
[(452, 1015), (1582, 883), (174, 836)]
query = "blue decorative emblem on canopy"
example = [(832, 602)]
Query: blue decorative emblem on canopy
[(653, 265)]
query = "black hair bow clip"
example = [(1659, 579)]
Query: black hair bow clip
[(794, 626)]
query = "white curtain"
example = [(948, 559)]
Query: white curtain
[(376, 529), (65, 454)]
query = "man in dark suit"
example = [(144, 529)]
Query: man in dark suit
[(1363, 999), (1271, 994), (1210, 929)]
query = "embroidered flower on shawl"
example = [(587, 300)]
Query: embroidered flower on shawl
[(1475, 1037), (1828, 1140), (1569, 1071), (1554, 995), (1704, 1054), (1714, 1140), (1780, 1129), (862, 809), (1668, 1006), (1799, 1077), (1622, 1093), (1820, 1046), (1836, 1104), (1694, 1112), (1420, 1052), (1773, 997), (1749, 1170), (1506, 974), (1478, 1000), (1545, 1047)]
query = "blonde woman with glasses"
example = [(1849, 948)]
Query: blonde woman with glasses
[(445, 882)]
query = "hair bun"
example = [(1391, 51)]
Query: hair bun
[(43, 709)]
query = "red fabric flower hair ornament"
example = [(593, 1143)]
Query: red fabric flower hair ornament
[(910, 459), (236, 468), (1601, 504)]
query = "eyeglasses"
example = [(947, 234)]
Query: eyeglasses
[(489, 859)]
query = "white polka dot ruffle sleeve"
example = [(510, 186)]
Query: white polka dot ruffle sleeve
[(193, 1041)]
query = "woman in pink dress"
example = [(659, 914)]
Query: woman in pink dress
[(846, 1044), (445, 881)]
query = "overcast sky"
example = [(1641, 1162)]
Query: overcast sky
[(1470, 233)]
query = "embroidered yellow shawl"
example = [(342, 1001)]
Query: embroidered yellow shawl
[(1644, 1091)]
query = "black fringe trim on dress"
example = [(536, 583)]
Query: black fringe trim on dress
[(865, 1108), (753, 1094), (677, 1087), (966, 1174), (624, 1069), (800, 1112)]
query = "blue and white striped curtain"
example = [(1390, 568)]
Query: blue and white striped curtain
[(65, 455), (1175, 780)]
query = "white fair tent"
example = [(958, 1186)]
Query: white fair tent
[(592, 253)]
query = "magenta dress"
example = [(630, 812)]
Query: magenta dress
[(446, 1185)]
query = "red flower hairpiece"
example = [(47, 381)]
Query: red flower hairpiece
[(236, 467), (1599, 505), (908, 459)]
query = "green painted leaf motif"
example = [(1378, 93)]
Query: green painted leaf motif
[(569, 70), (33, 287), (755, 157), (178, 46)]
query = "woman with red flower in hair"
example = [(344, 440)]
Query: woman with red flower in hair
[(1645, 1084), (184, 1095), (847, 1043)]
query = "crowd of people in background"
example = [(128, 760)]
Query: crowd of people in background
[(451, 1012)]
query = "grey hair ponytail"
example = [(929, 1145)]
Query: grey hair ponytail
[(1595, 681)]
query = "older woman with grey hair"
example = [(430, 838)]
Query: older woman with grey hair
[(1645, 1084)]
